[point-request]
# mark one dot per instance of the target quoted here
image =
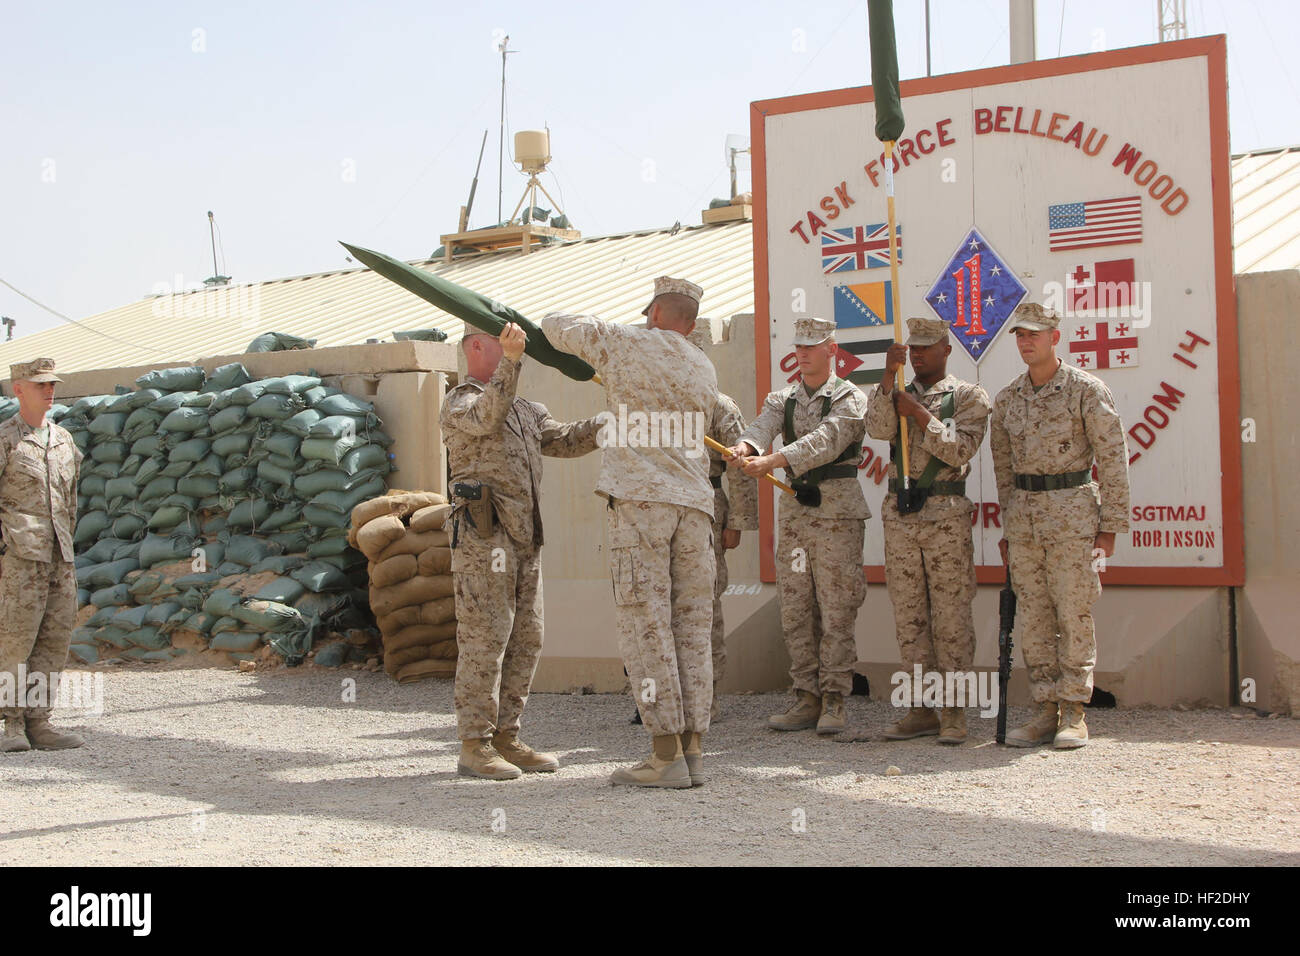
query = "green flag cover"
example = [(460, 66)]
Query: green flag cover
[(884, 70)]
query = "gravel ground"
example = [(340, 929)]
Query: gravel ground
[(212, 766)]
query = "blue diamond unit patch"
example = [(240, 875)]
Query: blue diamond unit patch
[(976, 292)]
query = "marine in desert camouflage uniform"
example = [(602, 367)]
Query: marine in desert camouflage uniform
[(1049, 427), (655, 477), (818, 550), (930, 553), (40, 466), (496, 440)]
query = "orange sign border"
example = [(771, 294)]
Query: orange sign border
[(1214, 50)]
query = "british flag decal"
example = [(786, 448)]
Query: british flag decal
[(858, 247)]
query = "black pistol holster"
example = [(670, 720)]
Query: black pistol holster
[(475, 499)]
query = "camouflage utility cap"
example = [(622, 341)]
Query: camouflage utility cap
[(41, 370), (923, 332), (664, 285), (1032, 316), (812, 331)]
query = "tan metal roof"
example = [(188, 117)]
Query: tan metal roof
[(609, 276), (1266, 210)]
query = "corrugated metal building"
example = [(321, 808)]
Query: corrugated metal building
[(1266, 210)]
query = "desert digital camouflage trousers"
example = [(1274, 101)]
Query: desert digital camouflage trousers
[(498, 588), (718, 636), (38, 610), (1056, 588), (819, 574), (661, 563), (930, 573)]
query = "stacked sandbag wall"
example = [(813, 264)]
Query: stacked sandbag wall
[(409, 565), (219, 507)]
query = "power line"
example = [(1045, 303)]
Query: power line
[(59, 315)]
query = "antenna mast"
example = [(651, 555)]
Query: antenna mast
[(501, 138)]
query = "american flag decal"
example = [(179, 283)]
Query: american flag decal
[(858, 247), (1099, 222)]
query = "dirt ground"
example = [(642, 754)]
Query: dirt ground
[(212, 766)]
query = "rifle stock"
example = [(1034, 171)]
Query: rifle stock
[(1006, 621)]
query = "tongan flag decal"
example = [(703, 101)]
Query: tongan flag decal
[(858, 247), (976, 292)]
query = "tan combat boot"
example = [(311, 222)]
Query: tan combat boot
[(693, 752), (478, 758), (1040, 730), (45, 737), (665, 767), (952, 725), (804, 713), (15, 738), (831, 720), (1073, 731), (515, 751), (919, 722)]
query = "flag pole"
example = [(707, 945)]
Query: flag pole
[(905, 469)]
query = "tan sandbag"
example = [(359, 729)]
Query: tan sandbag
[(415, 544), (395, 570), (419, 635), (379, 533), (445, 651), (435, 561), (407, 655), (413, 501), (368, 511), (430, 519), (425, 669), (431, 612), (417, 590)]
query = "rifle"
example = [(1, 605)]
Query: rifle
[(1006, 620)]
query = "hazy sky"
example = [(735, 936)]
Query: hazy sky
[(299, 123)]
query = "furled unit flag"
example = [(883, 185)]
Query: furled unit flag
[(1101, 287), (858, 247), (1099, 345), (1099, 222), (976, 292)]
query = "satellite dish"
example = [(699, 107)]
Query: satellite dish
[(737, 142)]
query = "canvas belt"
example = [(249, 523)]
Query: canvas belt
[(936, 487), (1071, 479)]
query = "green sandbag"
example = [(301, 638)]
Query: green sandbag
[(337, 426), (130, 618), (246, 550), (158, 489), (101, 617), (140, 423), (315, 394), (236, 641), (214, 552), (84, 572), (198, 579), (84, 653), (283, 444), (380, 437), (177, 469), (281, 591), (247, 393), (421, 335), (121, 487), (279, 563), (344, 501), (147, 446), (278, 341), (166, 519), (211, 466), (176, 620), (185, 419), (161, 549), (290, 542), (329, 450), (112, 636), (107, 424), (89, 527), (227, 568), (291, 384), (275, 474), (322, 607), (286, 514), (344, 404), (150, 469), (129, 525), (142, 397), (193, 598), (197, 486), (249, 513), (201, 622), (199, 400), (220, 602), (345, 561), (325, 518), (108, 452), (230, 417), (276, 406), (173, 379), (319, 576), (195, 449), (169, 402), (367, 456), (329, 479), (149, 638), (108, 469), (226, 624), (214, 524), (179, 500), (301, 423), (332, 655), (145, 584), (159, 613), (92, 485), (237, 480), (227, 376), (121, 402), (102, 550), (268, 616)]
